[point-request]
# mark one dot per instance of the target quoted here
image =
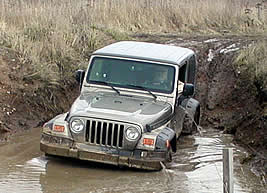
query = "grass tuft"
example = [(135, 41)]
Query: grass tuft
[(55, 36), (252, 63)]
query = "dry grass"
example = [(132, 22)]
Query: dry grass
[(55, 35), (252, 64), (189, 16)]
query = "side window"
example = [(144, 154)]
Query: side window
[(192, 70), (183, 73), (183, 77), (187, 73)]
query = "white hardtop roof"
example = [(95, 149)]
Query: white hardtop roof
[(146, 51)]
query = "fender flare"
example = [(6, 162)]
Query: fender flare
[(163, 136), (191, 106)]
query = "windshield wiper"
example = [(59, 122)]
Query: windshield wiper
[(143, 88), (108, 84)]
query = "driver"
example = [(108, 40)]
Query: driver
[(160, 77)]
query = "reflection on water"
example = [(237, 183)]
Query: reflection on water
[(23, 178), (197, 167)]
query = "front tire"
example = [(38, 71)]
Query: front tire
[(169, 156)]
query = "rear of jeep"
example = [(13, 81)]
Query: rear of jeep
[(123, 112)]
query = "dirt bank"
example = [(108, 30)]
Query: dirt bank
[(26, 102), (229, 101)]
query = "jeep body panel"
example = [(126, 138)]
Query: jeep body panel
[(167, 97), (126, 123), (146, 51), (109, 106)]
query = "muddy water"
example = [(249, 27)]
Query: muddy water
[(197, 167)]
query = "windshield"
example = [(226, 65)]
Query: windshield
[(132, 74)]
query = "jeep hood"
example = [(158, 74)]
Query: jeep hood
[(130, 109)]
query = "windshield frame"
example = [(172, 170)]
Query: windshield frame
[(87, 81)]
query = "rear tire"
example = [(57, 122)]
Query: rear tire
[(196, 119), (189, 126)]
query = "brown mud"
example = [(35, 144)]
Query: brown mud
[(26, 102), (196, 167), (229, 101)]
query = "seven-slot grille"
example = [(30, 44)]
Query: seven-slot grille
[(105, 133)]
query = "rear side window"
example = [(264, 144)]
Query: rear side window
[(192, 70)]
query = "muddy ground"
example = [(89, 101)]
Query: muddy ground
[(229, 101)]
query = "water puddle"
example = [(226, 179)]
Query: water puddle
[(196, 167)]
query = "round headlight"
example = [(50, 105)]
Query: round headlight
[(132, 133), (76, 125)]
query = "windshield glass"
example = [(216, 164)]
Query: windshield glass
[(132, 74)]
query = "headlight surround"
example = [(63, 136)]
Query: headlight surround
[(132, 133), (77, 125)]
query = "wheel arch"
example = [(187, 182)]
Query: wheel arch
[(191, 106), (165, 135)]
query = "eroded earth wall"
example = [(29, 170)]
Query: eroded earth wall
[(230, 100)]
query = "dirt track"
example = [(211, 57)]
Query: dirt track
[(226, 99), (230, 102)]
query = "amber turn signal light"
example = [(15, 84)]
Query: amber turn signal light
[(148, 141), (59, 128), (168, 144)]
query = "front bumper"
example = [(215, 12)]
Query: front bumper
[(149, 160)]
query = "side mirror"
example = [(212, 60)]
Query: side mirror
[(79, 77), (188, 89)]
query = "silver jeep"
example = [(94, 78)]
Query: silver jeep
[(135, 100)]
